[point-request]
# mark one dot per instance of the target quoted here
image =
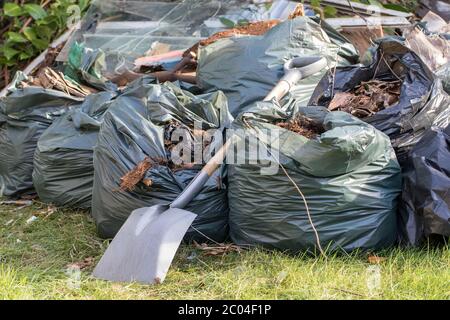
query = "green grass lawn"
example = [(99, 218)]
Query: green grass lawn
[(35, 261)]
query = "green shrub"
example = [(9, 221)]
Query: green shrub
[(28, 27)]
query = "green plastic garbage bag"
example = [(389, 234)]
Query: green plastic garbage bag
[(88, 65), (26, 114), (349, 175), (63, 163), (247, 68), (133, 129)]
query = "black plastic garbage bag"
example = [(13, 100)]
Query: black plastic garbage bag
[(425, 209), (133, 129), (349, 176), (423, 102), (247, 68), (26, 114), (63, 163)]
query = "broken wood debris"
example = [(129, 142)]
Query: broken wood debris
[(50, 79), (132, 178), (368, 98)]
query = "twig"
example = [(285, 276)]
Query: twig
[(378, 65), (356, 13), (204, 235), (30, 19), (26, 24), (391, 69), (349, 292), (316, 233)]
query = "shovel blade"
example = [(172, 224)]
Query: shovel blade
[(145, 246)]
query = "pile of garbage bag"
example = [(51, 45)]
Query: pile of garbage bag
[(63, 162), (96, 132), (349, 176), (133, 129), (25, 114)]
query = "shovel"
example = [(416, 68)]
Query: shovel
[(145, 246)]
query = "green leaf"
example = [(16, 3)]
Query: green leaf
[(268, 5), (40, 44), (12, 9), (83, 4), (396, 7), (25, 56), (44, 32), (243, 22), (9, 52), (16, 37), (315, 3), (227, 22), (35, 11), (29, 33), (330, 12)]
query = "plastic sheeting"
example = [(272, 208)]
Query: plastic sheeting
[(124, 31), (349, 175), (26, 114), (423, 102), (425, 208), (247, 68), (89, 66), (131, 28), (63, 163), (133, 129), (430, 40)]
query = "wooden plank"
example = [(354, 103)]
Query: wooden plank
[(339, 23)]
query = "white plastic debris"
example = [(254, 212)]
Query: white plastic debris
[(32, 219)]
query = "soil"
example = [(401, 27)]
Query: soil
[(368, 98), (303, 126)]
